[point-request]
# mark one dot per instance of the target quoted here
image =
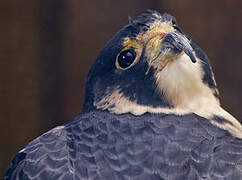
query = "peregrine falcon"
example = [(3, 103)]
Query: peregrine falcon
[(151, 112)]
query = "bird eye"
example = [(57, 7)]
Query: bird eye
[(125, 59)]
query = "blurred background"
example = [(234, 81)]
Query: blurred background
[(47, 47)]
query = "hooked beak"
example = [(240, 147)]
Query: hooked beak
[(163, 48), (173, 44)]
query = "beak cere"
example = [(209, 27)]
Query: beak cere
[(164, 48)]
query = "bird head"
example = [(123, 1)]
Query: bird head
[(150, 65)]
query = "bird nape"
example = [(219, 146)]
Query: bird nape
[(151, 111)]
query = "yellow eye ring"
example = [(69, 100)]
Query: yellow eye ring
[(126, 59)]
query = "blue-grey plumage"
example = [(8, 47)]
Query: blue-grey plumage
[(100, 145), (151, 112)]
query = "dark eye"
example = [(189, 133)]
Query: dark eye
[(126, 58)]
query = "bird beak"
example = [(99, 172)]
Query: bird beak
[(164, 48), (174, 43)]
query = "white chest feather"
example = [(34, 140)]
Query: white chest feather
[(181, 83)]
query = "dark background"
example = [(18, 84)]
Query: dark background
[(47, 47)]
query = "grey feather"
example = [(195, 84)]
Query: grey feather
[(100, 145)]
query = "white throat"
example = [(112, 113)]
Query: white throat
[(181, 83)]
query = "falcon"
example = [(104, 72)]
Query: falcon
[(151, 112)]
